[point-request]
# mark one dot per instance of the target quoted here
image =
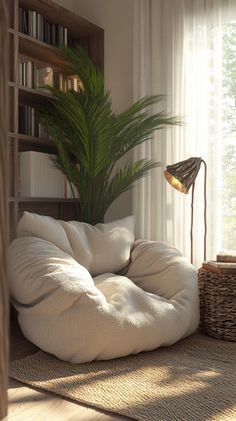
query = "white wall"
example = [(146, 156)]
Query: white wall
[(116, 18)]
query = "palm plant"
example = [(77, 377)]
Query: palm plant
[(91, 138)]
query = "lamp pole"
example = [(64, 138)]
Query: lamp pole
[(205, 207), (205, 213), (191, 229)]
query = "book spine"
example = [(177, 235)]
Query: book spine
[(20, 66), (41, 28), (20, 19), (26, 119), (28, 74), (37, 25), (53, 34), (47, 34), (23, 74), (32, 122), (60, 33), (34, 75), (25, 22), (21, 119), (65, 36), (34, 24), (60, 82), (44, 30), (30, 22)]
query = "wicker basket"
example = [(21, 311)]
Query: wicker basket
[(217, 304)]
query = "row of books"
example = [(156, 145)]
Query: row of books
[(66, 83), (29, 75), (225, 263), (32, 77), (35, 25), (29, 123)]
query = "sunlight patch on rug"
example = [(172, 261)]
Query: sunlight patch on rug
[(193, 380)]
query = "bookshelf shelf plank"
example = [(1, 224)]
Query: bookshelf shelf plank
[(40, 50), (33, 95), (47, 199), (32, 139), (34, 143), (30, 93), (27, 142)]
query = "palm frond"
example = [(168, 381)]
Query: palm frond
[(125, 177), (139, 129), (80, 64), (86, 131), (88, 123)]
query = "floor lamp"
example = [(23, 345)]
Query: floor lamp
[(182, 176)]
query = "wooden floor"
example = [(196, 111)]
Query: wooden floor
[(26, 403)]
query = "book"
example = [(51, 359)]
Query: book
[(30, 23), (25, 27), (20, 19), (222, 264), (39, 177), (29, 74), (220, 267), (227, 256), (53, 34), (65, 36), (20, 73), (34, 24)]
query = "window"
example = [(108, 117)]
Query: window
[(228, 162), (186, 50)]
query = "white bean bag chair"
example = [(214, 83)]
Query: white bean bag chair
[(72, 300)]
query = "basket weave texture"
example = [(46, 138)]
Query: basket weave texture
[(217, 304)]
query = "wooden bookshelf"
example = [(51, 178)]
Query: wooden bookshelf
[(79, 31)]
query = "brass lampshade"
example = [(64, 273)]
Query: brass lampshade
[(182, 176)]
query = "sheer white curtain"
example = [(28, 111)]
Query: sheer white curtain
[(178, 53)]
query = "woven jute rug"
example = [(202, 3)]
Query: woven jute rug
[(193, 380)]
